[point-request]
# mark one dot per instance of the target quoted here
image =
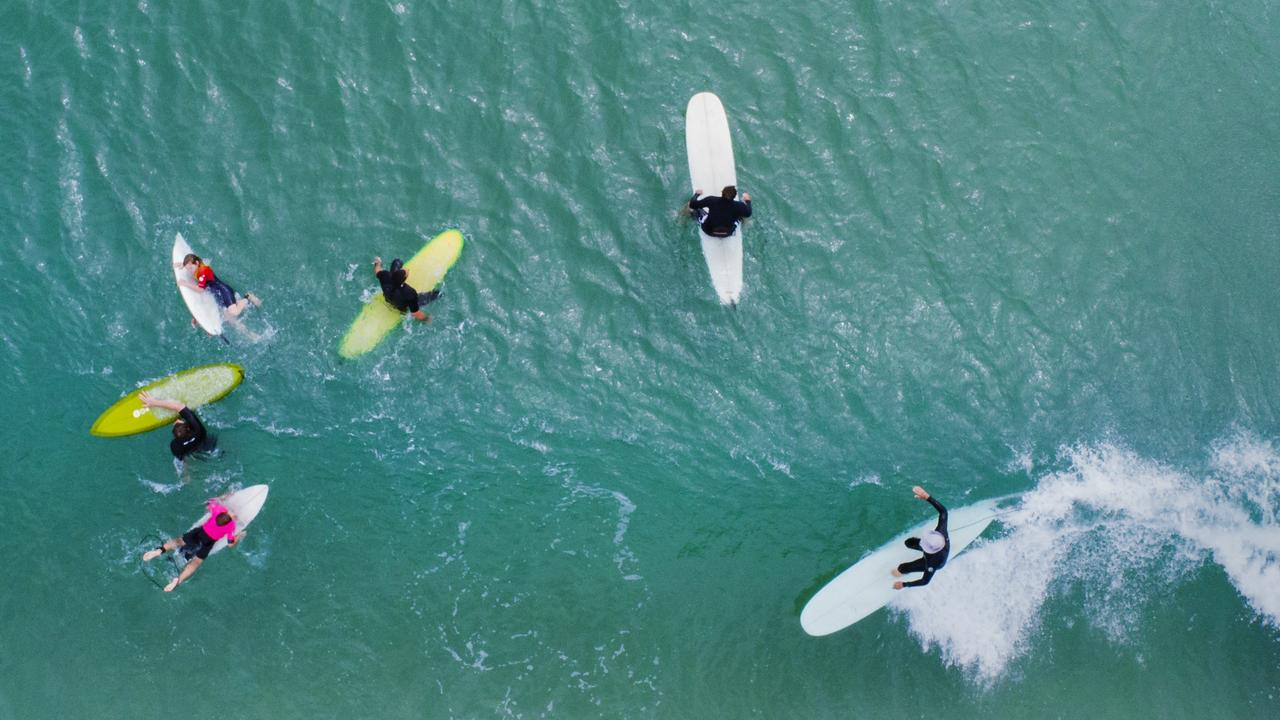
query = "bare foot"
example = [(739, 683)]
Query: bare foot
[(896, 573), (152, 554), (172, 584), (897, 585)]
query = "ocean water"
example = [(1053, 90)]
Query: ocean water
[(999, 247)]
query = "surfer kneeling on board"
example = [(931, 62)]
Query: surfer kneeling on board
[(398, 293), (196, 543), (723, 213), (935, 545), (188, 432), (231, 302)]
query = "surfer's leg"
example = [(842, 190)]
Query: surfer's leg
[(915, 566), (165, 547), (428, 297)]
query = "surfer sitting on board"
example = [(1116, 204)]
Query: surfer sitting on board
[(723, 213), (935, 545), (196, 543), (398, 293), (188, 432), (231, 302)]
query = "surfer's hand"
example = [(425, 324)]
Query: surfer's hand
[(746, 197), (920, 493), (897, 585), (696, 193)]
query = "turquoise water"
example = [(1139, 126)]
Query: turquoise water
[(1000, 247)]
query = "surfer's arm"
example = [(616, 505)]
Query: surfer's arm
[(928, 575), (377, 265), (942, 514), (744, 208), (696, 204), (151, 401)]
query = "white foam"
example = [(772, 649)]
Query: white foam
[(1116, 529)]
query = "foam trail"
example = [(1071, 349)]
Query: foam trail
[(1118, 530)]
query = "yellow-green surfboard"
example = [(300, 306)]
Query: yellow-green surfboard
[(195, 387), (426, 270)]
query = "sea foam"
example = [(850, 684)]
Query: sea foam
[(1114, 529)]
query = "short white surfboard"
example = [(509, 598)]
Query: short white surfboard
[(868, 585), (244, 505), (201, 304), (711, 168)]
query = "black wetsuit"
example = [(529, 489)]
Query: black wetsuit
[(197, 440), (931, 562), (722, 215), (402, 296), (196, 543)]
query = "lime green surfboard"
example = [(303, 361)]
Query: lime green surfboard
[(426, 270), (195, 387)]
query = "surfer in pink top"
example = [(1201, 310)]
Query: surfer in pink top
[(198, 541)]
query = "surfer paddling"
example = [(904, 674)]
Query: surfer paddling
[(231, 302), (197, 542), (399, 293), (935, 545), (722, 213), (189, 434)]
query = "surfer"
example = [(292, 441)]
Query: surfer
[(188, 432), (231, 302), (935, 545), (722, 213), (399, 293), (196, 543)]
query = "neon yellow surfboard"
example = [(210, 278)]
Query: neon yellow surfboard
[(195, 387), (426, 270)]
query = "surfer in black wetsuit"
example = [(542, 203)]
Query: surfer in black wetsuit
[(722, 213), (936, 546), (398, 293), (188, 432)]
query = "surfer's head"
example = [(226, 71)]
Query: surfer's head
[(932, 542), (729, 192), (398, 274), (191, 259), (223, 518), (182, 430)]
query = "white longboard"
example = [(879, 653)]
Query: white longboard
[(711, 168), (868, 585), (201, 304), (244, 505)]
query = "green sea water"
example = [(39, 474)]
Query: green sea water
[(999, 247)]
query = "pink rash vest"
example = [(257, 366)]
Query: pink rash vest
[(211, 526)]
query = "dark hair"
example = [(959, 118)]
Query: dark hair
[(730, 192), (182, 430), (191, 258), (223, 518)]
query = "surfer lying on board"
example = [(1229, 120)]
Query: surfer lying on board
[(722, 213), (398, 293), (231, 302), (935, 545), (196, 543), (188, 432)]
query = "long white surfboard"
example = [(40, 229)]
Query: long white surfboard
[(867, 586), (711, 168), (244, 505), (201, 304)]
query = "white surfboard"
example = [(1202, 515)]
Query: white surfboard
[(868, 585), (711, 168), (201, 304), (244, 505)]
